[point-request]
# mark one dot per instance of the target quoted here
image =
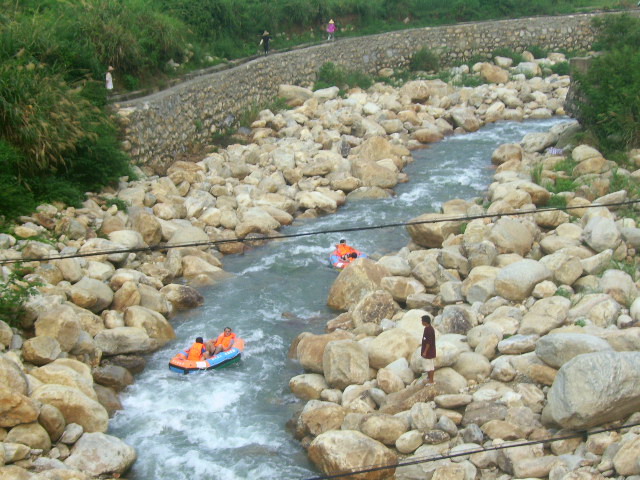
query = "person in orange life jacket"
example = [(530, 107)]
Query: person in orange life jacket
[(197, 350), (344, 250), (221, 344)]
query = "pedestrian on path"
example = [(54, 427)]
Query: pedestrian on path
[(109, 79), (331, 30), (264, 41)]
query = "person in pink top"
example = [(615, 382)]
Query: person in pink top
[(331, 29)]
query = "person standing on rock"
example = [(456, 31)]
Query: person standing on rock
[(331, 30), (428, 351), (264, 41)]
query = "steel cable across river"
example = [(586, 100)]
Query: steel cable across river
[(232, 423)]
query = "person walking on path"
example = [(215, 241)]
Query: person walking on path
[(109, 79), (428, 351), (331, 30), (264, 41)]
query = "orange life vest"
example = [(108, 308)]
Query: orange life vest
[(344, 249), (195, 352), (225, 341)]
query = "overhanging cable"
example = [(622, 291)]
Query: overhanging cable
[(166, 246)]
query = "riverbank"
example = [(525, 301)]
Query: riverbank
[(83, 336)]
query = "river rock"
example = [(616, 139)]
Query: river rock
[(558, 348), (91, 294), (511, 236), (31, 434), (373, 308), (595, 388), (310, 349), (68, 372), (361, 277), (60, 323), (389, 346), (52, 421), (156, 326), (318, 417), (344, 451), (96, 453), (384, 428), (182, 297), (345, 363), (517, 280), (16, 408), (120, 340), (75, 406), (308, 386), (431, 229), (41, 350), (601, 233)]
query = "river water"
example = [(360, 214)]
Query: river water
[(231, 423)]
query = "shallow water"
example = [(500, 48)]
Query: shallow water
[(231, 423)]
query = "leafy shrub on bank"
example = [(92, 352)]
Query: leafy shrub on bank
[(610, 106), (424, 60), (508, 53), (561, 68), (14, 291), (331, 75)]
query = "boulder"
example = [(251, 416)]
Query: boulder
[(156, 326), (91, 294), (183, 297), (345, 362), (61, 323), (361, 277), (431, 229), (383, 427), (511, 236), (308, 386), (389, 346), (517, 280), (96, 454), (16, 408), (595, 388), (120, 340), (41, 350), (310, 349), (75, 406), (344, 451), (373, 307), (558, 348), (318, 417), (31, 434)]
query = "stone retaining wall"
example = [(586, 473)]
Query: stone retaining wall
[(159, 127)]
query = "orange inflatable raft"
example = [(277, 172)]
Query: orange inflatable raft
[(180, 364)]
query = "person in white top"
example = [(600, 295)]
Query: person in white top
[(109, 78)]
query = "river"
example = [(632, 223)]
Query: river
[(231, 423)]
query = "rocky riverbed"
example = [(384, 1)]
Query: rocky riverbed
[(515, 298)]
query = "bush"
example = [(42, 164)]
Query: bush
[(424, 60), (13, 293), (610, 104), (537, 51), (331, 75), (507, 52), (561, 68)]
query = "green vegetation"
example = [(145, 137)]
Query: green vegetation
[(424, 60), (610, 106), (13, 294), (331, 75), (561, 68), (508, 53), (57, 138), (564, 292)]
